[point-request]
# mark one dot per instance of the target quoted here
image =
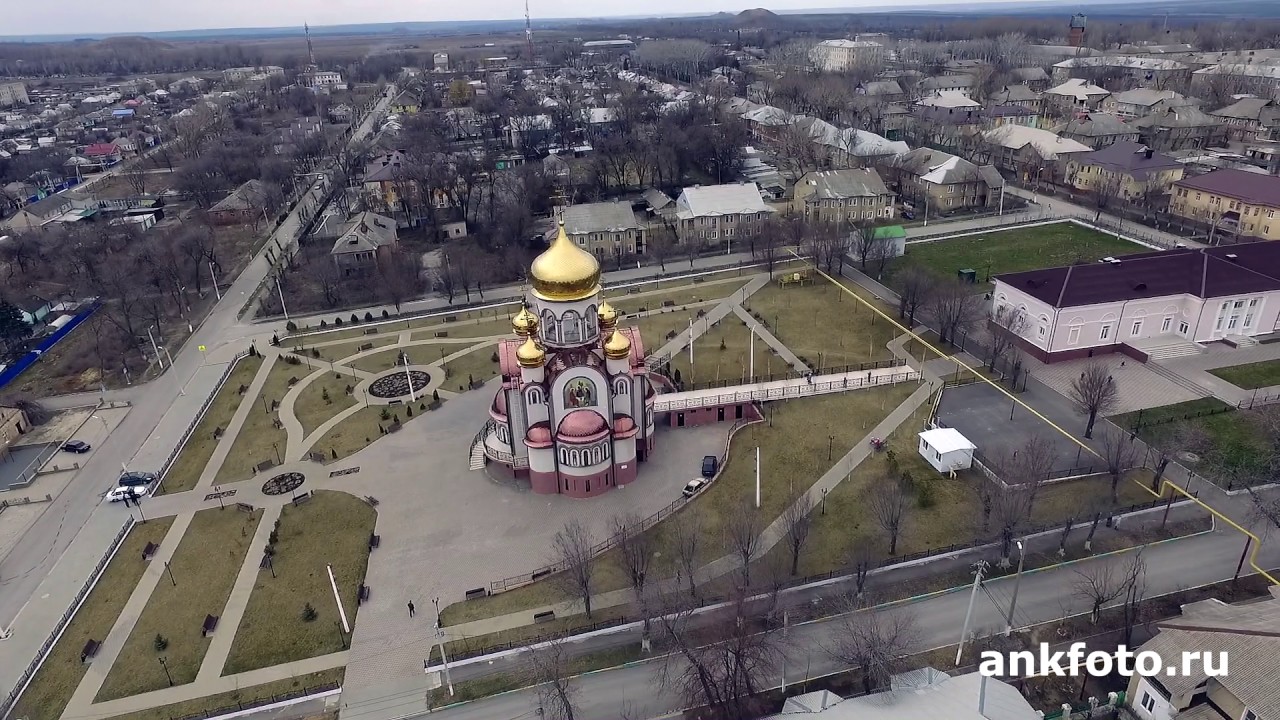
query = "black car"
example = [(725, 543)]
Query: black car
[(134, 478), (710, 464), (76, 446)]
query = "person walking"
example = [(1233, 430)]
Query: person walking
[(411, 610)]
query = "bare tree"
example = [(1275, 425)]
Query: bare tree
[(635, 552), (1094, 393), (400, 276), (914, 285), (889, 508), (1007, 327), (742, 535), (954, 308), (571, 548), (1098, 583), (686, 530), (797, 520), (867, 246), (875, 640), (1119, 455), (550, 670), (1135, 587), (860, 562), (136, 176), (1106, 189)]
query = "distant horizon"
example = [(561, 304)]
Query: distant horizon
[(30, 23)]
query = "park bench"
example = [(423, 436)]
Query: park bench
[(90, 649), (244, 507), (541, 573), (363, 595), (544, 617), (299, 499), (374, 541), (477, 593), (371, 331), (149, 551), (210, 624)]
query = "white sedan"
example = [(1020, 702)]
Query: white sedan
[(120, 492)]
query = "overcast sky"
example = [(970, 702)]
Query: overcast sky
[(123, 16)]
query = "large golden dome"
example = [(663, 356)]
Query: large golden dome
[(617, 347), (529, 355), (565, 272)]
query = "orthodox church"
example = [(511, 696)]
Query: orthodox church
[(574, 414)]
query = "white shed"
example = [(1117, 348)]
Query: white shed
[(946, 449)]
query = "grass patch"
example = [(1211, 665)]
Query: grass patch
[(1015, 250), (333, 528), (503, 682), (311, 407), (723, 352), (253, 444), (479, 365), (359, 430), (1251, 376), (465, 647), (480, 328), (335, 353), (793, 455), (380, 361), (823, 325), (195, 455), (56, 680), (204, 565), (230, 700), (1233, 447), (661, 327)]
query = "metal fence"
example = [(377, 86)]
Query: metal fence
[(29, 473), (61, 625), (657, 363), (258, 702), (780, 393), (191, 427)]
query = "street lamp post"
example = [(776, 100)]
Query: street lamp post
[(165, 665), (167, 568), (824, 501), (440, 638), (979, 568)]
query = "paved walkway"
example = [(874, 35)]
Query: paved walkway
[(763, 331), (1195, 368)]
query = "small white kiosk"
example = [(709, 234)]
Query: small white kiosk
[(946, 449)]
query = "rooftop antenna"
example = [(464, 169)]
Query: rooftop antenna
[(528, 32), (311, 55)]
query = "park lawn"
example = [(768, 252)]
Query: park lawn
[(1235, 445), (678, 298), (195, 454), (1251, 376), (793, 455), (478, 365), (56, 680), (228, 700), (357, 431), (525, 634), (204, 566), (254, 443), (333, 528), (383, 360), (823, 325), (1015, 250), (311, 407), (336, 353), (732, 362), (659, 327)]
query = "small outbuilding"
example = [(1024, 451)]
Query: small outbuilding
[(946, 449)]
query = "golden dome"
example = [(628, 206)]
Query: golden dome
[(529, 355), (608, 315), (565, 272), (617, 347), (524, 323)]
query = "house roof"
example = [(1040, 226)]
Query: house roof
[(1046, 144), (709, 200), (1097, 125), (937, 167), (101, 150), (1252, 188), (1121, 61), (951, 99), (656, 198), (367, 232), (951, 115), (941, 82), (598, 217), (1078, 89), (1031, 74), (246, 197), (850, 43), (1248, 634), (926, 694), (881, 87), (1015, 93), (1129, 158), (1200, 272), (841, 184), (1147, 97), (945, 440), (1244, 69), (386, 167), (1181, 117), (1249, 108)]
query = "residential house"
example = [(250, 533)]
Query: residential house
[(1130, 171), (406, 103), (36, 215), (1020, 96), (1248, 118), (298, 132), (711, 213), (659, 205), (915, 695), (1245, 634), (185, 85), (237, 75), (314, 79), (527, 132), (887, 90), (1075, 95), (13, 93), (1141, 102), (1033, 77), (1261, 80), (945, 182), (13, 424), (1146, 70), (1032, 153), (245, 204), (1156, 298), (994, 116), (950, 99), (604, 229), (342, 113), (970, 66), (1097, 130), (952, 128), (440, 62), (842, 196), (845, 55), (1184, 128), (103, 154), (367, 239), (962, 84), (34, 310), (1231, 202)]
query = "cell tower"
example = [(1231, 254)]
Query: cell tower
[(311, 55), (528, 32)]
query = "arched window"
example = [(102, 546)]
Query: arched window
[(621, 386), (590, 328), (570, 328), (595, 455), (534, 396), (575, 458), (564, 456), (1043, 326), (550, 327)]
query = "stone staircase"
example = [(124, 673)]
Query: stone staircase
[(1178, 380), (1241, 341), (1172, 349), (477, 456)]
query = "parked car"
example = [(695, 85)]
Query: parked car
[(692, 487), (132, 492), (135, 478), (908, 214), (710, 463), (76, 446)]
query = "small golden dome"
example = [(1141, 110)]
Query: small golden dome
[(565, 272), (608, 315), (617, 347), (529, 355), (524, 323)]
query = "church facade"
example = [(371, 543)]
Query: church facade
[(574, 414)]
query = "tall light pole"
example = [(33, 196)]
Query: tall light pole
[(980, 567), (155, 348), (280, 292), (440, 638), (1017, 579), (165, 665), (213, 277)]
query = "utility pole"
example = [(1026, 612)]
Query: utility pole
[(1017, 580), (440, 639), (979, 568)]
